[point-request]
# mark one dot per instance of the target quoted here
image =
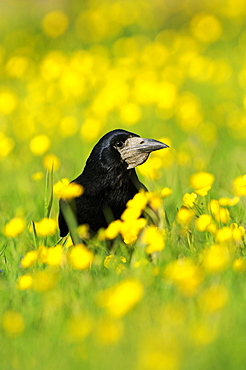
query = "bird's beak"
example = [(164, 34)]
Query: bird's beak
[(136, 150)]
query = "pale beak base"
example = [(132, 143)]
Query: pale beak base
[(136, 150)]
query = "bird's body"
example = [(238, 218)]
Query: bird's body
[(109, 179)]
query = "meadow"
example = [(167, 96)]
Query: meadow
[(169, 295)]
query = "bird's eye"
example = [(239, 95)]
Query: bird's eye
[(119, 144)]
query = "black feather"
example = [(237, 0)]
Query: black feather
[(107, 183)]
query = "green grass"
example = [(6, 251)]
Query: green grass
[(153, 69)]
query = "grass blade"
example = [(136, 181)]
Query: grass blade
[(71, 221), (34, 234), (3, 249), (48, 200)]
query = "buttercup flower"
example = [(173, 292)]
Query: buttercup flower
[(51, 161), (201, 180), (13, 323), (65, 190), (239, 265), (216, 258), (189, 199), (46, 226), (202, 222), (29, 259), (121, 298), (213, 299), (184, 216), (154, 239), (40, 144), (224, 235), (239, 185), (185, 274), (25, 282), (165, 192), (116, 263), (229, 202), (55, 23), (14, 227), (80, 257)]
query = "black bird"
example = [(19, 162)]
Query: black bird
[(109, 179)]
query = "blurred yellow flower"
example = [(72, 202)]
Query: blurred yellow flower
[(79, 327), (131, 224), (189, 113), (216, 258), (228, 202), (116, 263), (167, 95), (65, 190), (83, 231), (213, 299), (189, 199), (239, 186), (68, 126), (53, 65), (46, 226), (14, 227), (238, 232), (72, 83), (119, 299), (220, 214), (183, 158), (113, 229), (55, 256), (109, 331), (139, 201), (154, 201), (38, 176), (214, 206), (206, 27), (17, 66), (141, 263), (239, 265), (166, 192), (224, 235), (87, 133), (203, 333), (13, 323), (212, 228), (80, 257), (69, 241), (184, 216), (201, 180), (39, 144), (159, 349), (185, 274), (130, 113), (44, 280), (55, 23), (6, 145), (203, 191), (8, 102), (154, 239), (131, 213), (151, 168), (130, 229), (42, 253), (155, 53), (202, 222), (29, 259), (51, 161), (24, 282)]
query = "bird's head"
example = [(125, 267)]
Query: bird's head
[(120, 146)]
